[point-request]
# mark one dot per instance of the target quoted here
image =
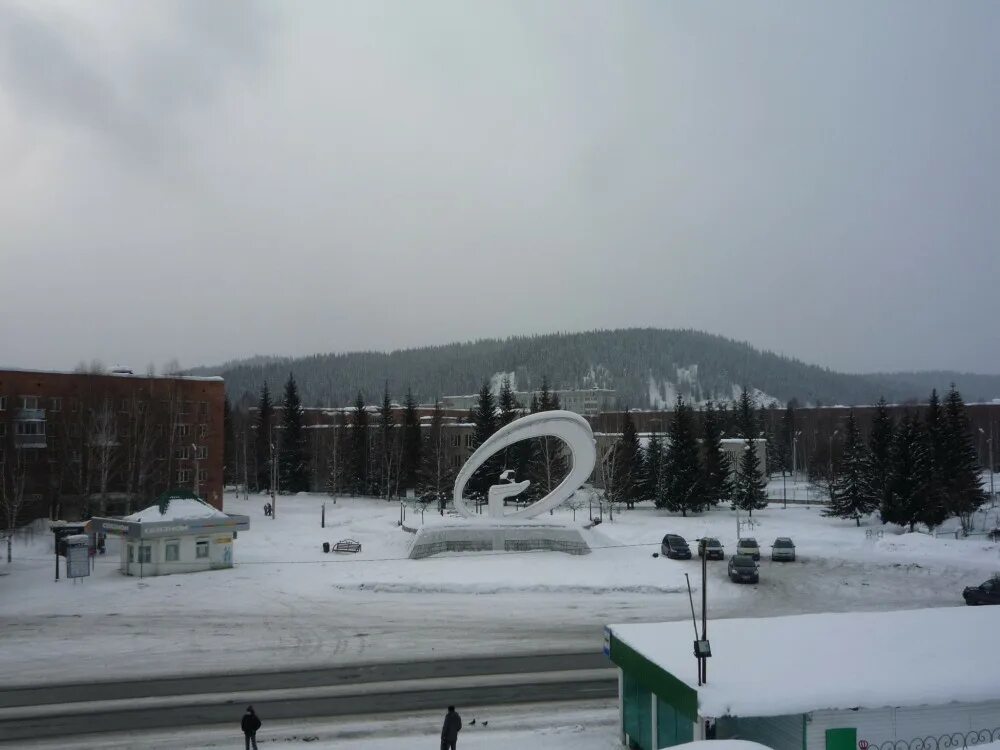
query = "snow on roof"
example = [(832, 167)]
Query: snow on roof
[(178, 509), (786, 665), (720, 745)]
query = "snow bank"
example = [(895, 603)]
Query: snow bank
[(862, 659)]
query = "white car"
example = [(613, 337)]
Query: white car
[(783, 549)]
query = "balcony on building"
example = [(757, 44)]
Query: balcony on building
[(29, 428)]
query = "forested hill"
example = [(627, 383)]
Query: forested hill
[(648, 367)]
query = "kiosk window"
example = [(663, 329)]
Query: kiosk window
[(131, 553), (145, 554), (173, 551), (201, 548)]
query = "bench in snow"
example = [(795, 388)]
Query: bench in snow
[(347, 545)]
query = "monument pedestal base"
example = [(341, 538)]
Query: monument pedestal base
[(469, 537)]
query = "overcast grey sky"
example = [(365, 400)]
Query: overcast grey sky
[(212, 180)]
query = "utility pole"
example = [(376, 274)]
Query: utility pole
[(704, 612)]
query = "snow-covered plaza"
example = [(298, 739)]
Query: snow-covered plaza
[(287, 604)]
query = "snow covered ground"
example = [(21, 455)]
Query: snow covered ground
[(579, 726), (287, 605)]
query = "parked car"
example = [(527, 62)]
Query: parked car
[(675, 547), (748, 546), (984, 593), (783, 549), (743, 569), (711, 549)]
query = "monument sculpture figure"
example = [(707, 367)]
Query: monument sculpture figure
[(514, 531)]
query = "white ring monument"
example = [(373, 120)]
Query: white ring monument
[(498, 531)]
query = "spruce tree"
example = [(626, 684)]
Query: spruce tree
[(853, 495), (484, 418), (629, 462), (683, 484), (387, 447), (292, 463), (412, 444), (747, 424), (960, 474), (507, 403), (545, 397), (436, 475), (716, 468), (229, 445), (652, 471), (358, 472), (750, 487), (880, 446), (264, 438), (907, 474)]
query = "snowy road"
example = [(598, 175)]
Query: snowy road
[(89, 714)]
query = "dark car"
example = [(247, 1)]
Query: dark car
[(984, 593), (743, 569), (675, 547), (711, 549)]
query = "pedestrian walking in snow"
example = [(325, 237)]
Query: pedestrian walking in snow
[(449, 731), (250, 724)]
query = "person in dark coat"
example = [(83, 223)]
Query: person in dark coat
[(449, 731), (250, 724)]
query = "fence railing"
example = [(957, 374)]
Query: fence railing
[(953, 741)]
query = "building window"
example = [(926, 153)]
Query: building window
[(55, 404), (202, 475), (468, 440), (202, 452), (173, 552), (3, 403), (454, 461), (124, 406), (202, 410), (75, 456), (3, 429), (203, 430), (201, 549), (455, 440), (183, 476), (145, 554), (29, 402), (29, 428), (182, 430), (181, 452), (74, 405)]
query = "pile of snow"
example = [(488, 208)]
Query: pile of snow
[(868, 660)]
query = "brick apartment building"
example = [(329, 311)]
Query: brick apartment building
[(82, 443)]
